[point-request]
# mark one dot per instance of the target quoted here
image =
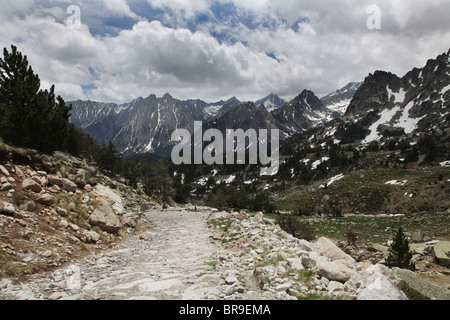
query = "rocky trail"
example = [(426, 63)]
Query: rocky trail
[(191, 255), (173, 261), (168, 262)]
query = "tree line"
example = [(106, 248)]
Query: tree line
[(33, 118)]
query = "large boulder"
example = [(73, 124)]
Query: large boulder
[(380, 288), (28, 205), (114, 199), (30, 184), (423, 286), (105, 218), (312, 259), (6, 207), (327, 248), (441, 253), (46, 199), (339, 270), (68, 185), (55, 180), (377, 282)]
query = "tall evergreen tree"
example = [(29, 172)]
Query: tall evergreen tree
[(399, 253), (29, 116)]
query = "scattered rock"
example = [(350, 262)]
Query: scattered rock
[(5, 283), (6, 207), (63, 224), (62, 212), (68, 185), (231, 279), (338, 270), (377, 282), (92, 236), (258, 218), (335, 286), (30, 184), (441, 252), (296, 264), (6, 186), (146, 206), (327, 248), (46, 199), (105, 218), (55, 180), (417, 236), (283, 287), (28, 205), (4, 171), (57, 296), (74, 227), (129, 222)]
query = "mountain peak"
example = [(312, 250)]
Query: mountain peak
[(307, 99), (271, 102), (339, 100), (233, 99), (167, 96)]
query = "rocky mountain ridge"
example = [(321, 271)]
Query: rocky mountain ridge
[(339, 100), (388, 105), (271, 102), (146, 124)]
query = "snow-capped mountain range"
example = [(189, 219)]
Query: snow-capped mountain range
[(146, 124)]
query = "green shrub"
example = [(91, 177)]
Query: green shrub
[(293, 225)]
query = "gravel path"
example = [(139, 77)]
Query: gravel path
[(175, 261)]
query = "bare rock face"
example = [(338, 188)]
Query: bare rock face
[(105, 218)]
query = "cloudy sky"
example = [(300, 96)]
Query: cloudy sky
[(118, 50)]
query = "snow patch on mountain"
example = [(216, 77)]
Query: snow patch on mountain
[(385, 117)]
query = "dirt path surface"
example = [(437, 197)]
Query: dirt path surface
[(175, 260)]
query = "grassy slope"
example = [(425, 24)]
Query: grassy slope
[(423, 201)]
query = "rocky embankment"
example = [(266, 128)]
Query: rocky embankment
[(57, 208), (288, 268)]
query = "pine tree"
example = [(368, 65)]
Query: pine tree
[(30, 117), (399, 253)]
